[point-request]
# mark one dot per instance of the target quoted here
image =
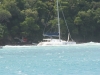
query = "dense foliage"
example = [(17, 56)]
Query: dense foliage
[(28, 18)]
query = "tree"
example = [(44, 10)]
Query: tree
[(4, 15), (28, 27), (1, 31), (11, 6)]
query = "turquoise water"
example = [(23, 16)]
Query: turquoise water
[(83, 59)]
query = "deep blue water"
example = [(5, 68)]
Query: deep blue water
[(81, 59)]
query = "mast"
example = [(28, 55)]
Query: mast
[(58, 20)]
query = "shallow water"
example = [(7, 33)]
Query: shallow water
[(81, 59)]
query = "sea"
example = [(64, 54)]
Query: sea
[(79, 59)]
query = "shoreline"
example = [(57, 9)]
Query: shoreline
[(84, 43)]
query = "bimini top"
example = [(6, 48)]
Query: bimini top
[(51, 34)]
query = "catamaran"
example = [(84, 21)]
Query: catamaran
[(56, 42)]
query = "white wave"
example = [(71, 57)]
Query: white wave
[(18, 46), (90, 43), (26, 46)]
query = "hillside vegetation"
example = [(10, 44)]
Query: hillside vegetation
[(28, 18)]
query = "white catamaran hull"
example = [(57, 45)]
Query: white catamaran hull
[(55, 42)]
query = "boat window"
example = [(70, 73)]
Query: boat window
[(46, 40)]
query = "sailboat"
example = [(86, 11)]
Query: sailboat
[(55, 42)]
